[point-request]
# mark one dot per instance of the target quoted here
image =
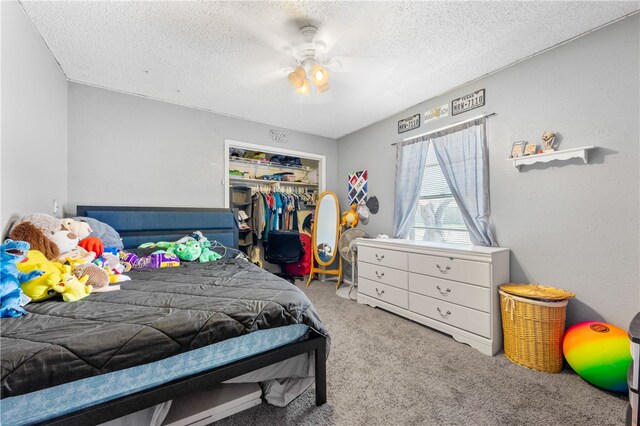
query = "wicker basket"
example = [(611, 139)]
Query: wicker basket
[(537, 291), (533, 331)]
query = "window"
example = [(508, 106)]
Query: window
[(438, 217)]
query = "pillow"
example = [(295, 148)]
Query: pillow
[(108, 235)]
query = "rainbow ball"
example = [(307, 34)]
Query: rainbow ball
[(600, 353)]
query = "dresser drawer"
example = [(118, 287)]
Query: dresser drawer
[(383, 274), (383, 257), (468, 295), (467, 319), (384, 292), (451, 269)]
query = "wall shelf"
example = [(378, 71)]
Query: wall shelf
[(562, 155), (249, 181), (267, 164)]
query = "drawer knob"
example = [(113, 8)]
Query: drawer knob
[(379, 256), (445, 292), (443, 270), (379, 274), (380, 292), (445, 315)]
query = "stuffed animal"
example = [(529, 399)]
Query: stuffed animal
[(92, 244), (208, 255), (65, 240), (40, 288), (28, 232), (112, 266), (44, 222), (97, 277), (11, 253), (350, 218), (188, 250), (79, 258), (70, 287), (67, 243), (81, 229)]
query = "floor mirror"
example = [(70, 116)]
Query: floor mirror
[(324, 237)]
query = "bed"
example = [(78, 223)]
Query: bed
[(166, 333)]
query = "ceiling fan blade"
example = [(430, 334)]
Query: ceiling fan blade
[(361, 64), (341, 27), (246, 18), (266, 78)]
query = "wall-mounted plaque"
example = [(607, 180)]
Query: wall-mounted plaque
[(436, 113), (410, 123), (468, 102)]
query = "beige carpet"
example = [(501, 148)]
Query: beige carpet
[(386, 370)]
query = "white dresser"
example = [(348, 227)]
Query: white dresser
[(449, 287)]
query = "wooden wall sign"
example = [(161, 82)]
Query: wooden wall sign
[(468, 102), (409, 123)]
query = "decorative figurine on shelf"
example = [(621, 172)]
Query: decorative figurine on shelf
[(548, 138)]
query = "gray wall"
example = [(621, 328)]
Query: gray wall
[(34, 120), (569, 225), (129, 150)]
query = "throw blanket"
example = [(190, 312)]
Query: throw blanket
[(160, 313)]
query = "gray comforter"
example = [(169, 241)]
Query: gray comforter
[(158, 314)]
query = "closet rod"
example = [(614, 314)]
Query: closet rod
[(445, 127)]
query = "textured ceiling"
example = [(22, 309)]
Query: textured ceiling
[(229, 57)]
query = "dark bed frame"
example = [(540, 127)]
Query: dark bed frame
[(113, 409), (138, 401)]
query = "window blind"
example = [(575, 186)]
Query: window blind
[(438, 216)]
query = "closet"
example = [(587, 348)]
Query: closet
[(283, 186)]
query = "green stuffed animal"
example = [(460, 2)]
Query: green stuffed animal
[(188, 251), (208, 255)]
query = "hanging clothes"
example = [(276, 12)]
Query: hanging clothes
[(275, 210), (257, 217)]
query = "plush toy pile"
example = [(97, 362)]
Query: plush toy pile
[(63, 259), (47, 256), (194, 246)]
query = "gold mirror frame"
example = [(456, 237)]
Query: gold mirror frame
[(314, 234), (315, 260)]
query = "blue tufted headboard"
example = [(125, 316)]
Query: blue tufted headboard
[(137, 225)]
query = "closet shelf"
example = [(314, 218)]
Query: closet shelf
[(562, 155), (267, 164), (271, 182)]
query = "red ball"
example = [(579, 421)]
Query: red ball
[(92, 244)]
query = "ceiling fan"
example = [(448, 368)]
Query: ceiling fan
[(305, 53), (309, 56)]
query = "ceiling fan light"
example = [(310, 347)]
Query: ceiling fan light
[(305, 88), (301, 72), (323, 88), (319, 75), (295, 80)]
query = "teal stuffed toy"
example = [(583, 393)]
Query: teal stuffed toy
[(12, 253)]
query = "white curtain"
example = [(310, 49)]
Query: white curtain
[(410, 159), (463, 157)]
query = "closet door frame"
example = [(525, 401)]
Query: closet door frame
[(230, 143)]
